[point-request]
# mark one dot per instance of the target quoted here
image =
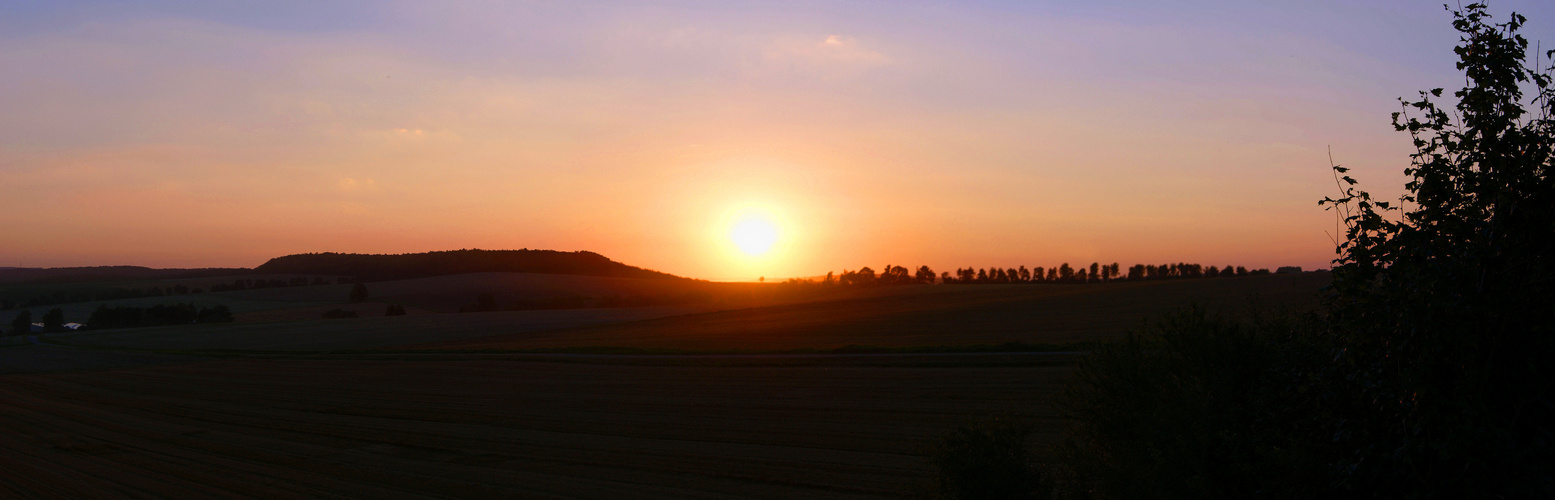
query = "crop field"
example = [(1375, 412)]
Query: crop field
[(452, 405)]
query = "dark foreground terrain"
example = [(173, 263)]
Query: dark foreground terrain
[(461, 405), (320, 428)]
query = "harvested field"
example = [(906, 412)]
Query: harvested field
[(281, 428)]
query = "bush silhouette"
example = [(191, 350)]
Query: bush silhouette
[(54, 320), (987, 460), (1443, 312), (21, 324)]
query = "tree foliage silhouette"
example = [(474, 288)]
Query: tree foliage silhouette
[(54, 320), (1444, 310), (21, 324), (1429, 373)]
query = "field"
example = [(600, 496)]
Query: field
[(460, 405), (396, 429), (942, 315)]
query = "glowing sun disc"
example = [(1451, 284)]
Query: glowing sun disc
[(754, 234)]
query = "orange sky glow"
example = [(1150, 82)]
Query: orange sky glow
[(952, 135)]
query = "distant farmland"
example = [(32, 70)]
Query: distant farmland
[(939, 315)]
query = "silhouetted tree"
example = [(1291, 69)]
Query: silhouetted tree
[(925, 275), (865, 276), (54, 320), (21, 324), (1444, 313)]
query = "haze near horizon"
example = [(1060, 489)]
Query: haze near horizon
[(708, 140)]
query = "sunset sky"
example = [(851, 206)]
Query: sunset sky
[(210, 134)]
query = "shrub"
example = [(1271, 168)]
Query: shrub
[(987, 459), (1444, 311), (1198, 406)]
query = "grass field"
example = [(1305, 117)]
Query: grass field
[(450, 405)]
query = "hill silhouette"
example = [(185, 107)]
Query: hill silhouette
[(377, 267)]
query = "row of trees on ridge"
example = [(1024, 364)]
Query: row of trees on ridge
[(1064, 273)]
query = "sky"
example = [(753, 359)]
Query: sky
[(948, 134)]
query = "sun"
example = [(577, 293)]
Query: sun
[(754, 233)]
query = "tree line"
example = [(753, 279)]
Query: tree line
[(105, 317), (162, 314), (1064, 273)]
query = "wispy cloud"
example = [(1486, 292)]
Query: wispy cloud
[(830, 55)]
